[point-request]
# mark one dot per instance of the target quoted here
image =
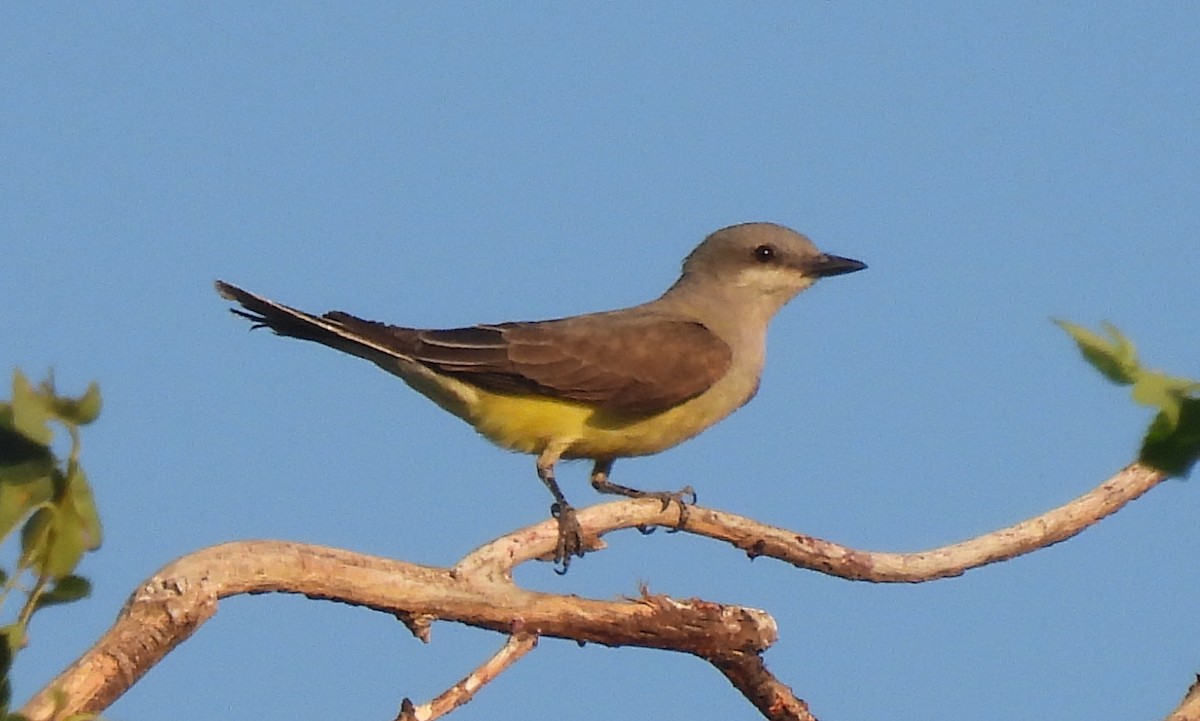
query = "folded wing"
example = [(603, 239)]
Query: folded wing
[(620, 361), (623, 361)]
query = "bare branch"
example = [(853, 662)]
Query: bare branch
[(759, 539), (774, 699), (517, 646), (1041, 531), (172, 604), (479, 591), (1189, 708)]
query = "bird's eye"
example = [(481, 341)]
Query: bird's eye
[(764, 253)]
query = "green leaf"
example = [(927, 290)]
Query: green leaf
[(35, 538), (81, 505), (1163, 392), (17, 448), (11, 637), (53, 541), (32, 471), (56, 536), (65, 590), (82, 410), (1115, 356), (1174, 447), (1172, 443), (27, 470), (5, 693), (64, 556), (67, 547), (30, 414), (18, 499)]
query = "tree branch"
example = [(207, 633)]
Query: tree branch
[(173, 603), (479, 591), (1189, 708), (1052, 527), (773, 698), (760, 539), (462, 692)]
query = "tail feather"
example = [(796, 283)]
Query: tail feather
[(331, 330), (282, 319)]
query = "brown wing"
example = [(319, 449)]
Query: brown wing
[(629, 361), (622, 361)]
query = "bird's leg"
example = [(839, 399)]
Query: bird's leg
[(570, 534), (684, 497)]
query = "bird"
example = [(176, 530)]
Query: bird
[(599, 386)]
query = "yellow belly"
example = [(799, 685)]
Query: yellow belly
[(530, 424)]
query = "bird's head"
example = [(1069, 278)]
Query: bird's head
[(760, 260)]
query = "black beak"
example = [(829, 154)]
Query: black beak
[(828, 265)]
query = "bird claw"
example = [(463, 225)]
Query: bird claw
[(570, 533), (684, 498), (570, 536)]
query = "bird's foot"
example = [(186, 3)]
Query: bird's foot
[(570, 536), (684, 498)]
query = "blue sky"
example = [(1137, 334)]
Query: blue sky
[(433, 165)]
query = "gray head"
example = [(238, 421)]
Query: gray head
[(764, 259)]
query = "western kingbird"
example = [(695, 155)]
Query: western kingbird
[(600, 386)]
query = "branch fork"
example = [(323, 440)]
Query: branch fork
[(479, 591)]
